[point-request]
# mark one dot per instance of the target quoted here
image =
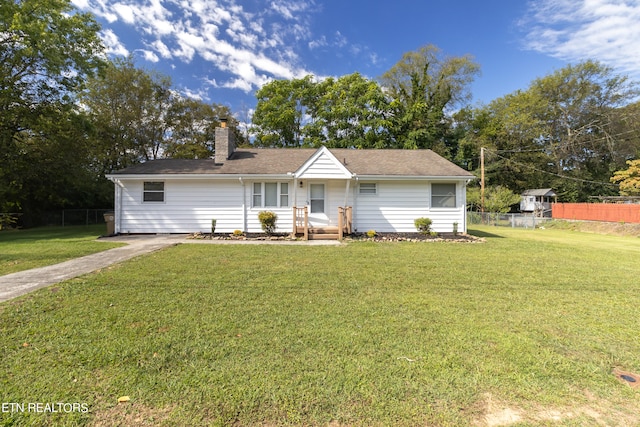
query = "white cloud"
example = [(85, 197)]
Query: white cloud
[(112, 43), (319, 43), (149, 55), (161, 49), (125, 12), (194, 94), (245, 46), (603, 30)]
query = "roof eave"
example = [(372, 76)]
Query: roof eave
[(183, 176), (420, 177)]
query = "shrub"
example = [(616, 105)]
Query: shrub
[(371, 234), (423, 225), (238, 233), (213, 225), (268, 221)]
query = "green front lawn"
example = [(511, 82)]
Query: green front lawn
[(37, 247), (525, 327)]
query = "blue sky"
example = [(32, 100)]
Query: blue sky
[(222, 51)]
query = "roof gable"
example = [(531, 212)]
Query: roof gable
[(323, 164)]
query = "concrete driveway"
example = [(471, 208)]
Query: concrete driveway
[(16, 284)]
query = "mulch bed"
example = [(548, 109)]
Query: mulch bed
[(416, 237), (379, 237)]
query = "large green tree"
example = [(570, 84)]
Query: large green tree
[(137, 116), (565, 131), (128, 107), (193, 125), (425, 86), (282, 112), (47, 51), (349, 112)]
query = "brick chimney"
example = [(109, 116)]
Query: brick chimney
[(225, 143)]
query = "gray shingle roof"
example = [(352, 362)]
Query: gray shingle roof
[(280, 161), (539, 192)]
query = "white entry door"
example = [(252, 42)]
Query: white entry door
[(318, 209)]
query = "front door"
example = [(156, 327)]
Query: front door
[(318, 208)]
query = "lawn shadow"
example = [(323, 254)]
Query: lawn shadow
[(479, 233)]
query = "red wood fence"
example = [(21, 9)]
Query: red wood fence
[(611, 212)]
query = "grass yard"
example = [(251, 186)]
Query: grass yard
[(523, 330), (37, 247)]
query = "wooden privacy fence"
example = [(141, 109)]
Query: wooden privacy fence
[(611, 212)]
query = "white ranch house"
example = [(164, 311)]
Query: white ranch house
[(355, 190)]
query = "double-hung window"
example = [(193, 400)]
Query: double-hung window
[(443, 195), (153, 191), (270, 195)]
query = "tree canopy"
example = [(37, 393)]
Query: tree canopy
[(138, 116), (424, 87), (568, 130), (47, 51), (629, 179), (409, 107)]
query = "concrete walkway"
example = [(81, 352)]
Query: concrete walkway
[(20, 283)]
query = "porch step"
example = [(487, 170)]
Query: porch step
[(323, 236), (323, 233)]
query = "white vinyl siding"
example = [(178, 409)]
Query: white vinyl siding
[(325, 166), (190, 205), (399, 203)]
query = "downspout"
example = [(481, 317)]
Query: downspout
[(346, 193), (354, 215), (465, 205), (294, 201), (244, 205)]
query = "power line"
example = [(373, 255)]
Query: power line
[(552, 173), (573, 143)]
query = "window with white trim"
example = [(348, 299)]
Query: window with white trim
[(270, 195), (368, 188), (443, 195), (153, 191)]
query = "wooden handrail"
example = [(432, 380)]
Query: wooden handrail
[(301, 221), (345, 219)]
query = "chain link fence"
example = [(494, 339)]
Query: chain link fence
[(83, 216), (65, 217), (513, 220)]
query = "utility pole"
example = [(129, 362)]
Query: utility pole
[(482, 182)]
